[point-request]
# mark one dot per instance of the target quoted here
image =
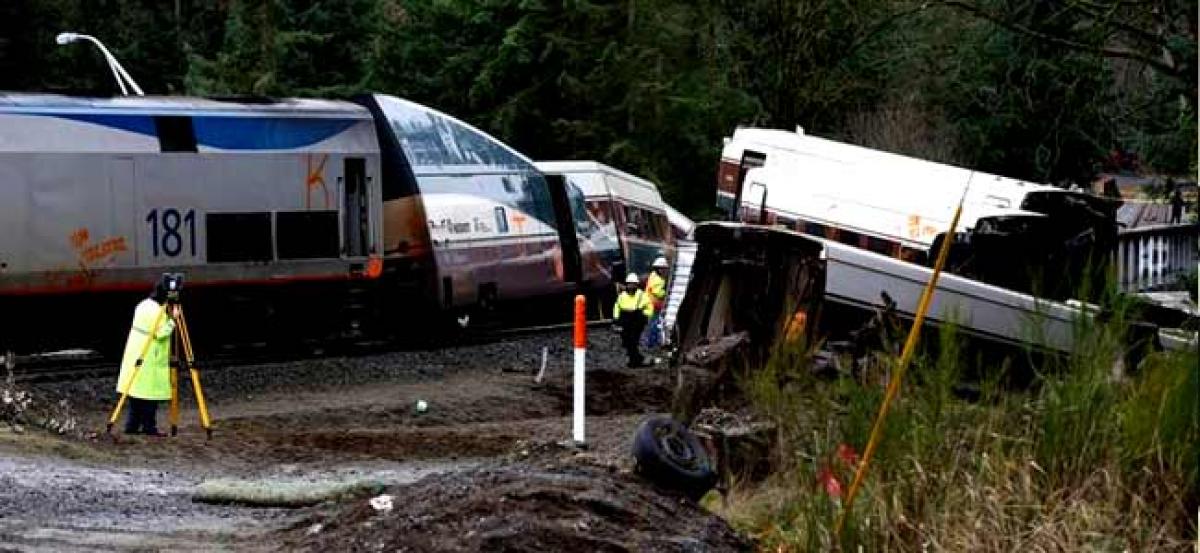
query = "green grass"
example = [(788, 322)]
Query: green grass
[(1081, 460)]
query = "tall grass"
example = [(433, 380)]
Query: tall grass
[(1081, 460)]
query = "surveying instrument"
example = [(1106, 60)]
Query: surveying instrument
[(181, 355)]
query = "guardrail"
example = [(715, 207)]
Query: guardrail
[(1155, 257)]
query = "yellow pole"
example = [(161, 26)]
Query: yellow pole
[(905, 356), (137, 367), (195, 375), (174, 412)]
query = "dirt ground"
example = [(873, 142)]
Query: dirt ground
[(482, 461)]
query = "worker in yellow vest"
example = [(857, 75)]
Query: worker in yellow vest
[(153, 382), (631, 311), (656, 288)]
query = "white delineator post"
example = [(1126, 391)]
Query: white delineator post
[(580, 354)]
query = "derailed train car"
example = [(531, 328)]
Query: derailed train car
[(1014, 234), (287, 216), (632, 222)]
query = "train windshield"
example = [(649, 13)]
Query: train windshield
[(448, 156), (434, 142)]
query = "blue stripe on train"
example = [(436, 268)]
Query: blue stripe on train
[(141, 124), (265, 133), (231, 133)]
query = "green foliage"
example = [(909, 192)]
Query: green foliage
[(1160, 421), (1081, 460), (1022, 107), (287, 47)]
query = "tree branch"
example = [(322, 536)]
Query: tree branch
[(1108, 52), (1107, 18), (883, 26)]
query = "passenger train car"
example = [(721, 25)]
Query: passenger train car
[(1016, 234), (286, 216), (629, 212)]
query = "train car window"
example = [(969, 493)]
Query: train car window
[(175, 133), (602, 215), (306, 234), (649, 229), (849, 237), (879, 245), (601, 210), (501, 220), (238, 237), (450, 157), (645, 228), (579, 211), (662, 227), (633, 221)]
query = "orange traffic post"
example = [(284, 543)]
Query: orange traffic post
[(580, 355)]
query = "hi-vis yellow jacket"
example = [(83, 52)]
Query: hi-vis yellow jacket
[(154, 379), (656, 286), (637, 301)]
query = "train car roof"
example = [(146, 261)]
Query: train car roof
[(802, 143), (619, 183), (16, 102), (679, 220), (591, 167)]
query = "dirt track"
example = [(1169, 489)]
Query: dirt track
[(343, 418)]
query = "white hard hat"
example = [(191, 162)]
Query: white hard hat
[(661, 262), (631, 278)]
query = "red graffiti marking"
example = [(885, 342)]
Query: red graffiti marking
[(103, 250), (315, 177)]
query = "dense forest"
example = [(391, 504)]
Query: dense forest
[(1038, 89)]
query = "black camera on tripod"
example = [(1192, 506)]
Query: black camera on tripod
[(173, 284)]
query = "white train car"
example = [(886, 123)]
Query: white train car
[(287, 216), (629, 211), (105, 194), (1013, 233)]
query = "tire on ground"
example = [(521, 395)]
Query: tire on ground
[(672, 457)]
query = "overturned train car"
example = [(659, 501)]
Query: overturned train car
[(1018, 235), (289, 217)]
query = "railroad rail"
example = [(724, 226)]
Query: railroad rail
[(80, 364)]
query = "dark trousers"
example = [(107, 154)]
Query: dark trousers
[(632, 324), (143, 415)]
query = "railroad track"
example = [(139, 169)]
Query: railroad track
[(85, 364)]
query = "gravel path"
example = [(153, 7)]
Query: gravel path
[(52, 504), (519, 354)]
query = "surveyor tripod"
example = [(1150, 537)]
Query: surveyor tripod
[(182, 355)]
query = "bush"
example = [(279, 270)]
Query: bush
[(19, 408), (1081, 460)]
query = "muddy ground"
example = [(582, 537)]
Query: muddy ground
[(480, 469)]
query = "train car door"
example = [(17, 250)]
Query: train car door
[(750, 160), (568, 241), (356, 213), (755, 195)]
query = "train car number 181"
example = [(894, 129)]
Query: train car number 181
[(172, 230)]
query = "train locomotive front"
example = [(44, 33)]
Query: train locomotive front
[(292, 219)]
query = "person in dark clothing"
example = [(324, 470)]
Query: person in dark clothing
[(631, 311), (1177, 205)]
